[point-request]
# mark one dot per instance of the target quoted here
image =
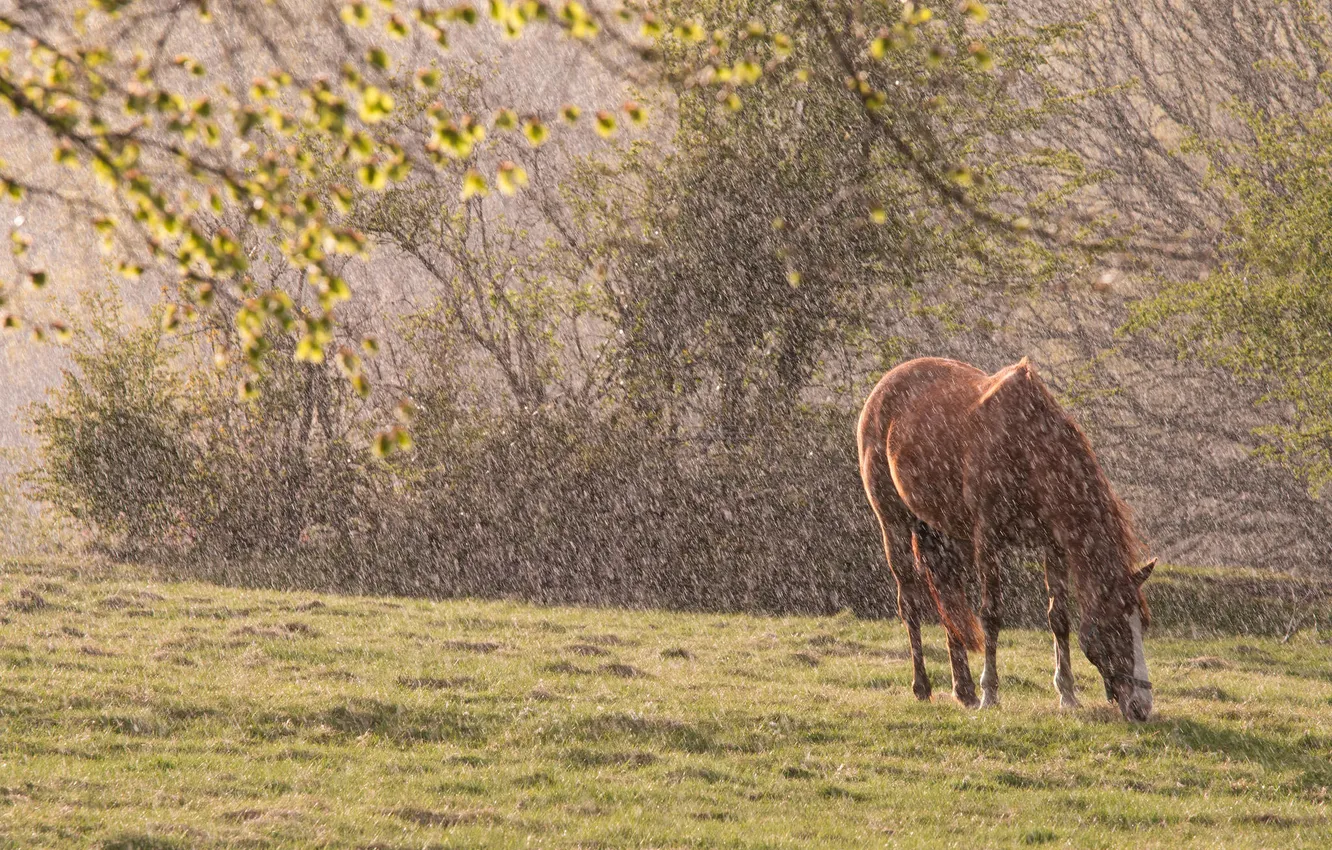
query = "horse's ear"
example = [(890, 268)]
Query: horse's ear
[(1144, 572)]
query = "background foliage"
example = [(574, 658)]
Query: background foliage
[(424, 337)]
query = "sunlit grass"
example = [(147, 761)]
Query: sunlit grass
[(142, 714)]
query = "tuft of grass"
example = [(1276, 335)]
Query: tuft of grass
[(142, 714)]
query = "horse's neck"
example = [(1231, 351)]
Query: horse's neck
[(1076, 504)]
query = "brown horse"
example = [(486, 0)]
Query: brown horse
[(961, 467)]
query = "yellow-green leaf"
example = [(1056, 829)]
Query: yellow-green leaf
[(535, 131), (402, 438), (474, 185), (981, 55), (636, 112), (309, 350), (356, 14), (342, 198), (510, 177), (375, 105), (690, 31)]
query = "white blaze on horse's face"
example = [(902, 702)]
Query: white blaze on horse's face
[(1140, 702)]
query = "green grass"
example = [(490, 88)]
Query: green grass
[(142, 714)]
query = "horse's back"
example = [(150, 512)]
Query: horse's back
[(918, 421), (917, 386)]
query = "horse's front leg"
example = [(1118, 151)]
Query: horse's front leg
[(988, 561), (1056, 582)]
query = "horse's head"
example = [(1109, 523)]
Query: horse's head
[(1112, 640)]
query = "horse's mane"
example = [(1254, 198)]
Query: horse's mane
[(1071, 443)]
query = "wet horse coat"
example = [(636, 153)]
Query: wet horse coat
[(960, 468)]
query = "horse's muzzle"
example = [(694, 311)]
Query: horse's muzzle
[(1134, 697)]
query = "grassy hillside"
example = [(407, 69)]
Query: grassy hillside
[(154, 715)]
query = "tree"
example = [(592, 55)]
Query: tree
[(176, 142), (787, 235), (1266, 314)]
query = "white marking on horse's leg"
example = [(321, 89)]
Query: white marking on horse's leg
[(1063, 676), (989, 682)]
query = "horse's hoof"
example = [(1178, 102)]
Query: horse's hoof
[(922, 690), (967, 700), (989, 701), (1069, 703)]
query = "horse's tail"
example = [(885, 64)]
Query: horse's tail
[(945, 574), (957, 615)]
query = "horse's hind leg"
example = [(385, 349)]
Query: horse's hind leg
[(944, 562), (911, 596), (911, 591)]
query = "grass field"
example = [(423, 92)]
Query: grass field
[(143, 714)]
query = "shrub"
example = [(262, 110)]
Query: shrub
[(114, 436)]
